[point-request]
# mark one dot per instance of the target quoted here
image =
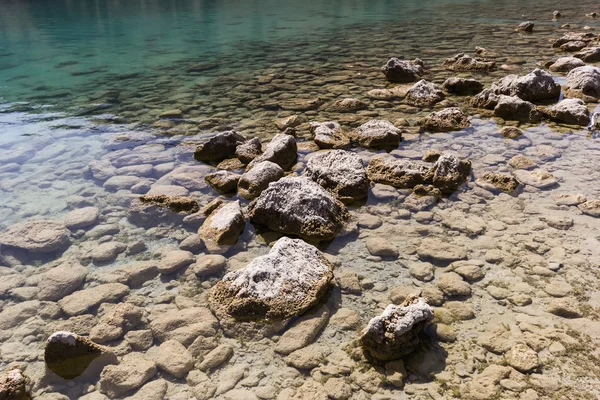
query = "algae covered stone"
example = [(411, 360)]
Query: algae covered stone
[(282, 284), (14, 385)]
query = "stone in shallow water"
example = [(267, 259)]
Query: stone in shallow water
[(449, 173), (538, 178), (61, 281), (224, 225), (82, 218), (38, 236), (584, 83), (329, 135), (591, 207), (538, 85), (566, 64), (395, 333), (503, 182), (282, 150), (133, 371), (253, 182), (248, 151), (400, 173), (173, 358), (448, 119), (462, 86), (175, 260), (84, 300), (68, 355), (513, 108), (303, 332), (424, 94), (223, 181), (174, 203), (432, 249), (299, 206), (14, 385), (569, 111), (464, 62), (403, 71), (219, 147), (377, 133), (340, 172), (348, 105)]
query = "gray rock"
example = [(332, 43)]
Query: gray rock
[(248, 151), (299, 206), (514, 109), (566, 64), (449, 173), (348, 105), (566, 39), (282, 150), (448, 119), (61, 281), (121, 182), (424, 94), (526, 26), (38, 236), (253, 182), (14, 384), (219, 147), (397, 172), (329, 135), (584, 83), (569, 111), (223, 181), (224, 225), (377, 133), (486, 99), (464, 62), (82, 218), (403, 71), (340, 172), (538, 85), (590, 55), (462, 86)]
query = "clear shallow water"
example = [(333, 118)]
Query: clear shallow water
[(77, 75)]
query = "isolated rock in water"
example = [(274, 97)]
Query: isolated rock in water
[(462, 86), (14, 385), (329, 135), (219, 147), (223, 181), (348, 105), (299, 206), (486, 99), (506, 183), (569, 111), (449, 172), (584, 83), (538, 178), (448, 119), (403, 71), (282, 284), (224, 225), (82, 218), (566, 64), (282, 150), (400, 173), (526, 26), (538, 85), (68, 355), (38, 236), (253, 182), (178, 204), (424, 94), (591, 207), (512, 108), (377, 133), (248, 151), (464, 62), (340, 172), (590, 55), (566, 39), (395, 333)]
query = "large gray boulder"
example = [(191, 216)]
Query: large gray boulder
[(340, 172), (38, 236), (285, 283), (569, 111), (253, 182), (219, 147), (538, 85), (224, 225), (403, 71), (282, 150), (377, 133), (464, 62), (424, 94), (299, 206), (395, 333), (584, 83), (514, 109), (329, 135)]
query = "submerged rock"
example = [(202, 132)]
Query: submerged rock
[(82, 218), (403, 71), (224, 225), (68, 355), (299, 206), (133, 371), (253, 182), (448, 119), (566, 64), (340, 172), (395, 333), (506, 183), (14, 385), (538, 85), (377, 133), (464, 62), (400, 173), (178, 204), (248, 151), (514, 109), (282, 150), (424, 94), (37, 236), (223, 181), (219, 147), (348, 105), (538, 178), (583, 83), (569, 111), (282, 284), (462, 86), (329, 135)]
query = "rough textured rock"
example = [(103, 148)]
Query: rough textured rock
[(514, 109), (464, 62), (68, 355), (538, 178), (303, 332), (14, 385), (133, 371), (462, 86), (400, 173), (395, 333), (448, 119), (377, 133), (506, 183), (173, 358), (176, 204), (486, 99), (511, 132), (224, 225), (566, 64), (584, 83), (424, 94), (38, 236), (82, 218), (86, 299), (538, 85), (282, 284), (569, 111), (348, 105), (403, 71), (566, 39), (448, 173), (590, 55), (299, 206), (340, 172), (282, 150), (248, 151), (329, 135), (219, 147), (61, 281), (522, 358), (253, 182), (591, 207), (223, 181), (526, 26)]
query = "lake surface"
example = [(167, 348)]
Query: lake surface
[(104, 101)]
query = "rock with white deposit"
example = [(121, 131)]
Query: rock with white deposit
[(282, 150), (449, 173), (68, 355), (329, 135), (299, 206), (448, 119), (37, 236), (253, 182), (569, 111), (403, 71), (224, 225), (341, 173), (464, 62), (538, 85), (395, 333), (377, 133), (14, 385), (282, 284), (219, 147), (424, 94), (584, 83), (397, 172), (513, 108)]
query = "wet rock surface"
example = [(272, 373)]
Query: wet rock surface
[(402, 71)]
